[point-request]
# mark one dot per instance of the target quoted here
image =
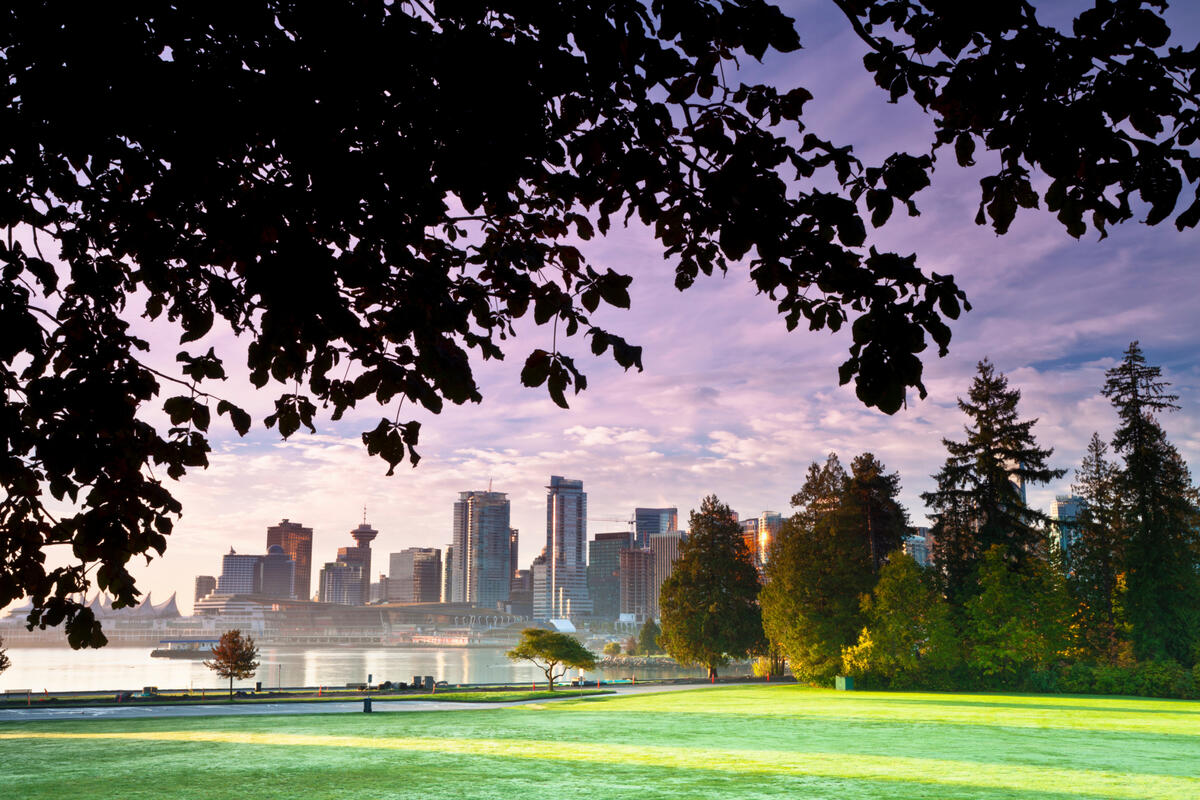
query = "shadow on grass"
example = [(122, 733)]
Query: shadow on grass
[(1043, 706)]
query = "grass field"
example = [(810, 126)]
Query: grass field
[(736, 742)]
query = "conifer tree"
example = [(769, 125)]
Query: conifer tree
[(824, 561), (709, 603), (1160, 517), (1097, 553), (978, 502)]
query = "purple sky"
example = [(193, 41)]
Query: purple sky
[(730, 403)]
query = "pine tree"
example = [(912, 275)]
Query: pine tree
[(1160, 517), (826, 558), (709, 603), (979, 501), (1097, 554)]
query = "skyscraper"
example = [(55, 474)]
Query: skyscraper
[(665, 548), (342, 582), (482, 549), (360, 554), (769, 524), (278, 574), (514, 562), (297, 541), (414, 575), (240, 574), (637, 583), (540, 574), (205, 585), (1064, 529), (648, 521), (566, 553), (604, 573)]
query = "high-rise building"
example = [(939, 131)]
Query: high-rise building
[(342, 582), (750, 537), (360, 554), (637, 583), (604, 573), (514, 556), (665, 549), (540, 572), (205, 585), (240, 574), (415, 575), (1064, 530), (919, 545), (448, 575), (769, 524), (566, 549), (278, 574), (482, 549), (297, 541), (648, 521)]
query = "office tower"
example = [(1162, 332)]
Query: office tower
[(637, 583), (297, 541), (604, 573), (360, 554), (665, 549), (240, 574), (750, 537), (342, 582), (919, 545), (415, 575), (769, 524), (514, 562), (205, 585), (522, 581), (540, 572), (1064, 528), (278, 574), (448, 575), (566, 552), (482, 549), (648, 521)]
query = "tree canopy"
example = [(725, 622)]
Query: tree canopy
[(709, 602), (551, 652), (370, 194)]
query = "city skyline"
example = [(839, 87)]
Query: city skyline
[(729, 402)]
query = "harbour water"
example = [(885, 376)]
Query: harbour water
[(126, 668)]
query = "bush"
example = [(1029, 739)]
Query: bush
[(1078, 679), (1161, 679), (612, 649)]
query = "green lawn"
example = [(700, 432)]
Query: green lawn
[(737, 742)]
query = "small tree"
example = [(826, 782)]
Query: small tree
[(549, 651), (648, 639), (235, 656), (4, 662), (612, 649)]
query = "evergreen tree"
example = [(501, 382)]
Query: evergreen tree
[(709, 603), (1159, 518), (870, 497), (1018, 620), (979, 501), (1096, 554), (825, 559), (648, 639)]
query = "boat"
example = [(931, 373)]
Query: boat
[(184, 648)]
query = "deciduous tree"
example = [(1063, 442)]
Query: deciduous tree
[(552, 652), (235, 656), (908, 636), (5, 662), (368, 194), (709, 602)]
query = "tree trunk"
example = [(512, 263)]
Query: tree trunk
[(231, 688), (712, 674)]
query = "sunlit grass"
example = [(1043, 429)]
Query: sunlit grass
[(727, 742)]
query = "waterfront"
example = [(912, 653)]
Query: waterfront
[(124, 668)]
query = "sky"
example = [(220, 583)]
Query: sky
[(730, 403)]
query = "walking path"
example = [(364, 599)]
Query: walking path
[(328, 707)]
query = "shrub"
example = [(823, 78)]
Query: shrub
[(1079, 679)]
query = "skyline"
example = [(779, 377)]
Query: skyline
[(730, 403)]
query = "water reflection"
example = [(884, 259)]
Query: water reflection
[(124, 668)]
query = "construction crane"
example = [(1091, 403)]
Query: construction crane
[(622, 520)]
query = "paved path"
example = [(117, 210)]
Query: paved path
[(328, 707)]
